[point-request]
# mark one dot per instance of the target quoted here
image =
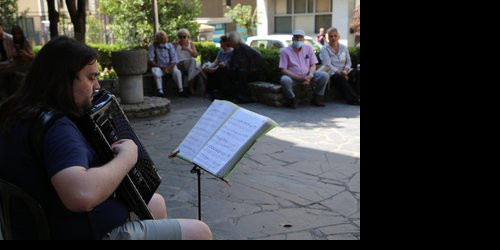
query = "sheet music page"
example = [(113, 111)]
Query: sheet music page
[(228, 141), (211, 120)]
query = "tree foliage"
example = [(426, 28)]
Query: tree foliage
[(132, 22), (244, 17), (8, 13)]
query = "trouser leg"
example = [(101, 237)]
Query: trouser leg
[(354, 80), (243, 89), (320, 81), (177, 76), (341, 84), (158, 74), (287, 83)]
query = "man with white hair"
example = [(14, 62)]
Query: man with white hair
[(163, 59), (243, 67)]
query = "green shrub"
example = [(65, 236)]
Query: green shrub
[(207, 50), (269, 69), (36, 49), (355, 56), (104, 51)]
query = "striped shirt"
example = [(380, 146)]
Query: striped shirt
[(336, 61)]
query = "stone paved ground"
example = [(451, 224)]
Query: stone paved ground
[(301, 181)]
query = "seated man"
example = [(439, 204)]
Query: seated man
[(74, 185), (163, 59), (298, 65), (243, 68)]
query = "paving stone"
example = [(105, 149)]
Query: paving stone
[(305, 173)]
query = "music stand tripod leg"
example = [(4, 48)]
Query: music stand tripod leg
[(197, 170)]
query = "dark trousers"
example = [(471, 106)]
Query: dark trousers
[(238, 87), (350, 88), (7, 83), (219, 84)]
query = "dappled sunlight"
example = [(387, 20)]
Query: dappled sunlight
[(302, 177)]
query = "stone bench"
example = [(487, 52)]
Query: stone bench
[(169, 86), (149, 85), (272, 94)]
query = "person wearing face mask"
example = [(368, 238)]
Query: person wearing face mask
[(298, 66), (163, 60)]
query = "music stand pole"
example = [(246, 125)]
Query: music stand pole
[(197, 170)]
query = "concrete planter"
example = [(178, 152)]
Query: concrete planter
[(110, 85), (130, 65)]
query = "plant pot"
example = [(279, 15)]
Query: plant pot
[(129, 66), (130, 62)]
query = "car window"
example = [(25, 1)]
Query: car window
[(259, 44), (276, 44)]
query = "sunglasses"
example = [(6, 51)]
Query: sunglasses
[(182, 37)]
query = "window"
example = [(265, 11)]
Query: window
[(305, 23), (300, 6), (310, 6), (308, 15), (283, 25), (323, 21), (220, 30), (283, 6), (323, 6), (259, 44)]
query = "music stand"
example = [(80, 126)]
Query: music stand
[(197, 170)]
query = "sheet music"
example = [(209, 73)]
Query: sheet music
[(211, 120), (238, 130)]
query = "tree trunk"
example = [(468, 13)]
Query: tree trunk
[(78, 18), (53, 18)]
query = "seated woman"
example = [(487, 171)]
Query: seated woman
[(216, 71), (336, 58), (21, 61), (24, 50), (186, 54)]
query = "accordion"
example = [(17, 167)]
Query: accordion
[(104, 124)]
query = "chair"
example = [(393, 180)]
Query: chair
[(10, 195)]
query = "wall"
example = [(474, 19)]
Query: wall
[(212, 8), (342, 15)]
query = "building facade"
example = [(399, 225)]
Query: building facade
[(35, 18), (284, 16)]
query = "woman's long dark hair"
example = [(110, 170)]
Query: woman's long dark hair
[(49, 83), (20, 42)]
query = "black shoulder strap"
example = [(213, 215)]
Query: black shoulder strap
[(42, 124)]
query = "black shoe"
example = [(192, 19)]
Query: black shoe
[(183, 94), (318, 101), (293, 103), (161, 94), (356, 102), (244, 100)]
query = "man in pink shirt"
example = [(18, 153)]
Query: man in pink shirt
[(298, 65)]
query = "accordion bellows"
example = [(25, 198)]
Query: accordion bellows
[(105, 124)]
